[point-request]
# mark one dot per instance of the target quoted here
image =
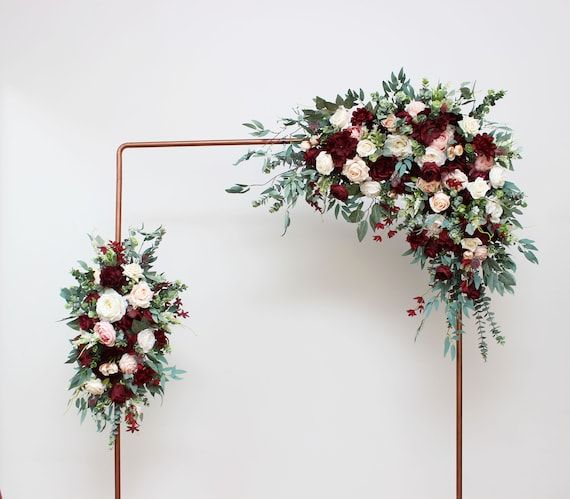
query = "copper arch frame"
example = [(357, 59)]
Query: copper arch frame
[(260, 142)]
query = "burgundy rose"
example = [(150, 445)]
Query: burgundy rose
[(443, 273), (93, 296), (112, 277), (125, 323), (341, 146), (86, 323), (417, 239), (470, 290), (143, 375), (310, 156), (445, 242), (85, 358), (432, 248), (339, 191), (429, 130), (484, 145), (382, 168), (120, 394), (361, 116), (430, 172), (161, 338)]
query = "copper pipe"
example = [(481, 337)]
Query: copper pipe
[(119, 217), (459, 409)]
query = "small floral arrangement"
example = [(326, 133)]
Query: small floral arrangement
[(124, 312), (427, 162)]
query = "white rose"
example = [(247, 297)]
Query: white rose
[(95, 386), (469, 125), (133, 271), (141, 295), (414, 108), (305, 145), (111, 306), (341, 117), (494, 210), (432, 155), (497, 176), (365, 148), (478, 188), (370, 188), (324, 163), (439, 202), (108, 368), (356, 170), (470, 243), (97, 276), (398, 145), (146, 340), (128, 363)]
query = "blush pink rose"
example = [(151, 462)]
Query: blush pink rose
[(443, 140), (355, 132), (483, 163), (105, 333), (128, 364)]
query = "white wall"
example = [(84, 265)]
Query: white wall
[(304, 381)]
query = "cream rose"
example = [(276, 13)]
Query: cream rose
[(105, 333), (305, 145), (94, 386), (470, 243), (494, 209), (389, 123), (439, 202), (133, 271), (141, 295), (111, 306), (340, 118), (469, 125), (146, 340), (456, 180), (481, 252), (398, 145), (356, 170), (432, 155), (97, 276), (478, 188), (414, 108), (108, 368), (324, 163), (128, 363), (365, 148), (429, 187), (497, 176), (370, 188)]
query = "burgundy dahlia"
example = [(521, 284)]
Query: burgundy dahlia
[(443, 273), (120, 394), (310, 156), (484, 145), (161, 339), (382, 168), (430, 172), (112, 277), (361, 116), (143, 375), (417, 239), (86, 323), (339, 191), (341, 146)]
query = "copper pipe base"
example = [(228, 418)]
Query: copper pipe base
[(459, 412)]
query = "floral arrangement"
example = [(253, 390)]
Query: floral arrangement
[(124, 312), (427, 162)]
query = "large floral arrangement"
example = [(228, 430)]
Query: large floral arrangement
[(427, 162), (124, 312)]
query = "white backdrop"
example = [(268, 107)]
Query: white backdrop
[(304, 381)]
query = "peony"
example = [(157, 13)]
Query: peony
[(497, 176), (470, 243), (146, 340), (108, 368), (478, 188), (370, 188), (340, 118), (398, 145), (429, 187), (324, 163), (112, 277), (105, 333), (494, 209), (389, 123), (483, 163), (432, 155), (133, 271), (111, 306), (120, 394), (456, 180), (365, 148), (141, 295), (361, 116), (128, 363), (339, 192), (414, 108), (439, 202), (469, 125), (444, 139), (356, 170), (481, 252), (94, 386)]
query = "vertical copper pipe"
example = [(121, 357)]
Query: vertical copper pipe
[(119, 217), (459, 410), (118, 464)]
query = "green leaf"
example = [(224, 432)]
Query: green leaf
[(238, 189), (362, 230)]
